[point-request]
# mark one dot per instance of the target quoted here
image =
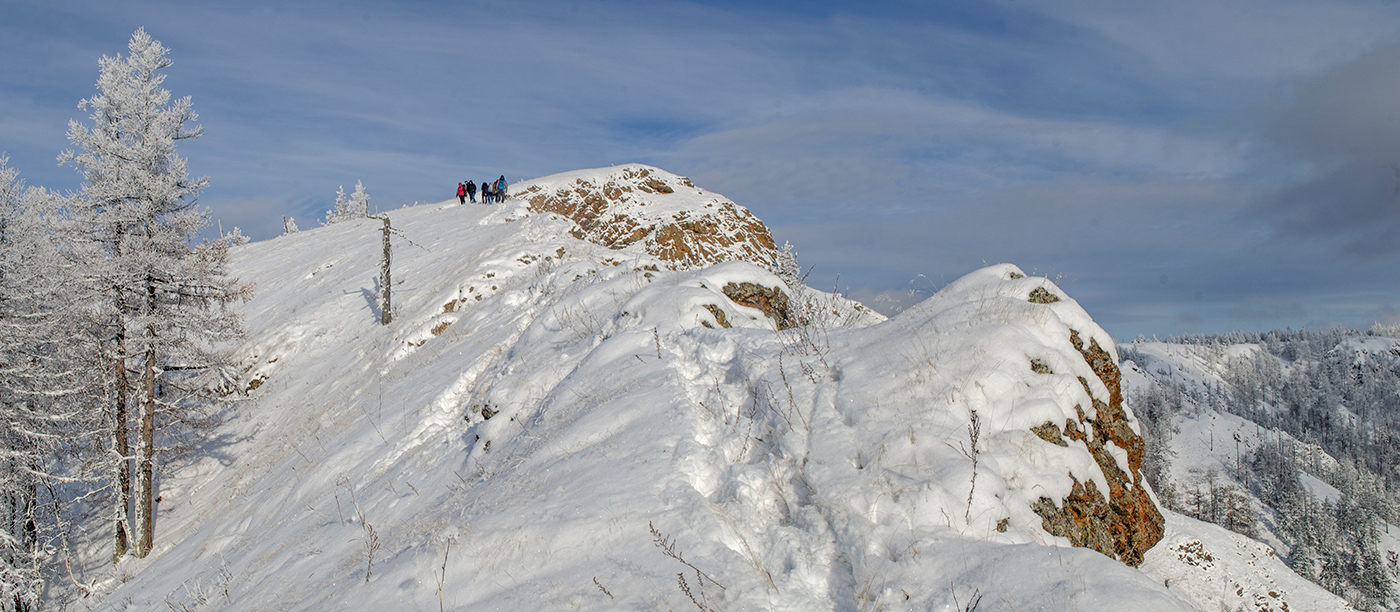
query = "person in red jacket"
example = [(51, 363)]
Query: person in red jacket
[(461, 193)]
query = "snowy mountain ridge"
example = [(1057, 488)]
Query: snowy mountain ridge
[(554, 423)]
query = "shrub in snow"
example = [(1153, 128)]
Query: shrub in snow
[(236, 237)]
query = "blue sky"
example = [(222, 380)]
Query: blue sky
[(1178, 167)]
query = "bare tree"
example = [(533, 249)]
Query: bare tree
[(385, 282)]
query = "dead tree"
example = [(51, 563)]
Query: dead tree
[(386, 312)]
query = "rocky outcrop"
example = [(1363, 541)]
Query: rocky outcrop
[(1126, 523), (771, 300), (665, 215)]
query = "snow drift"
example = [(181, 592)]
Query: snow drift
[(554, 423)]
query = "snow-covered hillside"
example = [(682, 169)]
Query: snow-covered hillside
[(550, 423), (1210, 432)]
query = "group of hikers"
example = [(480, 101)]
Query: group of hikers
[(490, 192)]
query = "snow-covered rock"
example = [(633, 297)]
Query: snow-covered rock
[(1125, 522), (652, 211)]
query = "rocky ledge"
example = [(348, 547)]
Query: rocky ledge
[(1126, 523), (641, 207)]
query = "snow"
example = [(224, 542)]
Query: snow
[(1213, 568), (545, 417), (1316, 486), (1374, 345)]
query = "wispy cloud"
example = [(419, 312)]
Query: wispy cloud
[(1178, 165)]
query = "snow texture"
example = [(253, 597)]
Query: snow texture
[(1213, 568)]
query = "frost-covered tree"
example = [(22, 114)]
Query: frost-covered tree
[(355, 206), (42, 382), (236, 237), (289, 225), (785, 266), (359, 201), (161, 293), (1156, 409), (21, 452), (1370, 576), (341, 212)]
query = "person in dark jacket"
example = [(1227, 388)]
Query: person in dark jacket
[(485, 192), (461, 193), (471, 191)]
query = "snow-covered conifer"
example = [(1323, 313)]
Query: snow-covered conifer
[(20, 451), (786, 267), (161, 297), (236, 237), (1372, 579), (341, 212), (289, 225), (355, 206), (42, 386), (359, 202)]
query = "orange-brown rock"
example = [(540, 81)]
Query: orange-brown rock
[(663, 214), (1126, 523), (771, 300)]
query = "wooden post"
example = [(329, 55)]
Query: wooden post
[(385, 283)]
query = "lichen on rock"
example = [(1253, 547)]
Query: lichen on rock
[(719, 315), (1126, 523), (771, 300), (665, 215), (1050, 432), (1040, 295)]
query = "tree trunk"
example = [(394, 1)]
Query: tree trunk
[(120, 440), (19, 522), (10, 509), (386, 314), (123, 448), (29, 506), (145, 497), (145, 485)]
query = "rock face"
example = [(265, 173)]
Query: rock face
[(771, 300), (641, 207), (1126, 523)]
